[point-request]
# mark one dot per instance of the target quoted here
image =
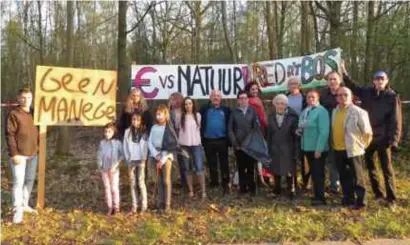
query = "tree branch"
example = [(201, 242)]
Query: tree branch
[(386, 11), (28, 43), (152, 4), (321, 7)]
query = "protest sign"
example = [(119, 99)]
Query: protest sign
[(70, 96), (311, 70), (197, 81)]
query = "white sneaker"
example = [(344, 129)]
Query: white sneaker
[(18, 216), (28, 209)]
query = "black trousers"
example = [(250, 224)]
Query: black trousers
[(317, 170), (246, 171), (384, 154), (216, 150), (351, 178)]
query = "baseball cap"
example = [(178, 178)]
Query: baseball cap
[(380, 74)]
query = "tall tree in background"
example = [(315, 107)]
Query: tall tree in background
[(271, 29), (226, 32), (122, 68), (353, 40), (306, 29), (197, 15), (63, 143), (368, 64)]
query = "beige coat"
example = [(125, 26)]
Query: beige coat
[(357, 130)]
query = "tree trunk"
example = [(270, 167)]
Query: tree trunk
[(235, 28), (197, 31), (334, 19), (369, 41), (281, 23), (122, 69), (271, 27), (154, 36), (225, 27), (318, 41), (63, 143), (306, 29), (353, 41), (40, 32)]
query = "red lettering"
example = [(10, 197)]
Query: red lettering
[(140, 82)]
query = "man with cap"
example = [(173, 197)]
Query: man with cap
[(384, 108)]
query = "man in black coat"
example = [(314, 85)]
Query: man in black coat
[(241, 123), (384, 108)]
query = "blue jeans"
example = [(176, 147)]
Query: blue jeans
[(196, 161), (24, 175)]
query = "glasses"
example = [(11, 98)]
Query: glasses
[(340, 95)]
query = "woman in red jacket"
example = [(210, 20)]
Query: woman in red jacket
[(256, 103)]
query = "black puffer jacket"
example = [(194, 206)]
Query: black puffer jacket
[(384, 110)]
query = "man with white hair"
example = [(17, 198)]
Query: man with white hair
[(214, 133), (384, 107), (351, 135)]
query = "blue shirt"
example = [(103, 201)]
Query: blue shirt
[(296, 103), (215, 123)]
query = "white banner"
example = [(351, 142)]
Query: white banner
[(196, 81), (311, 70)]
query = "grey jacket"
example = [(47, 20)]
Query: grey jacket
[(109, 153), (357, 130), (283, 143), (240, 125)]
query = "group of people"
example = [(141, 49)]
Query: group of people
[(309, 130)]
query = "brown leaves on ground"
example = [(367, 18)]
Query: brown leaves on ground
[(75, 212)]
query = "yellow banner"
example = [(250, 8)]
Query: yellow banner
[(74, 97)]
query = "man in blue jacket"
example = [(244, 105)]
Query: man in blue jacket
[(214, 133)]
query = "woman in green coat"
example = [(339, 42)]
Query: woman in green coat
[(314, 130)]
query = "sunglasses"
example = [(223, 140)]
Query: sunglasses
[(340, 95)]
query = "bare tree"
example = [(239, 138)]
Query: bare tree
[(63, 143), (225, 27)]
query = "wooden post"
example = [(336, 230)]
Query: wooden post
[(42, 167)]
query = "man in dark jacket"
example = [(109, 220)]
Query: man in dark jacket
[(22, 141), (241, 123), (328, 99), (384, 108), (214, 134)]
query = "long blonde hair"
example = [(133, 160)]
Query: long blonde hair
[(129, 104), (163, 109)]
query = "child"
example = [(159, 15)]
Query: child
[(162, 142), (109, 155), (135, 152), (190, 140)]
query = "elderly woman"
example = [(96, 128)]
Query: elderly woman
[(282, 143)]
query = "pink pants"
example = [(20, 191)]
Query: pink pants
[(111, 188)]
